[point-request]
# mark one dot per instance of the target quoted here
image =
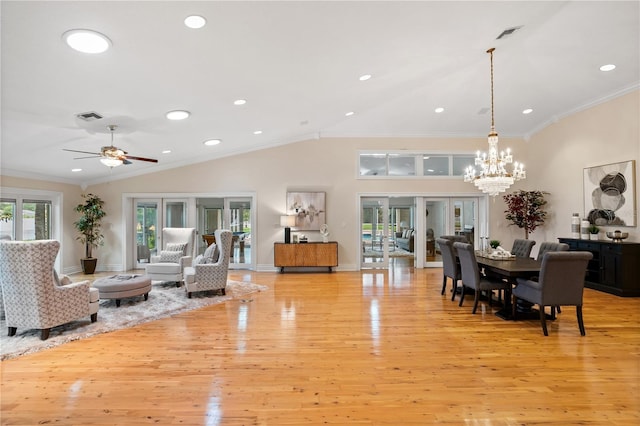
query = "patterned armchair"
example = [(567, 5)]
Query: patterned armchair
[(210, 276), (33, 295), (168, 265)]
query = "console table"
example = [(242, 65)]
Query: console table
[(314, 254), (615, 267)]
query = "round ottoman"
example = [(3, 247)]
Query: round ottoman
[(121, 286)]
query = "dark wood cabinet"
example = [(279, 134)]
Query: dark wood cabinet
[(615, 267), (305, 255)]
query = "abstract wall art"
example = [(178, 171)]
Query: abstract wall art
[(610, 194), (308, 208)]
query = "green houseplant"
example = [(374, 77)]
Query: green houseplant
[(494, 244), (89, 226), (525, 209), (593, 230)]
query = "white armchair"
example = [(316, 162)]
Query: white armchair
[(33, 295), (168, 265), (210, 276)]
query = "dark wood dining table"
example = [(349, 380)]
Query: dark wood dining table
[(511, 269)]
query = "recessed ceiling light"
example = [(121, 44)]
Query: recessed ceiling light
[(195, 21), (350, 113), (365, 77), (439, 110), (76, 170), (212, 142), (166, 151), (608, 67), (86, 41), (239, 102), (257, 132), (527, 111), (178, 114)]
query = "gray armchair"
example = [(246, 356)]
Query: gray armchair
[(561, 282), (471, 277), (450, 265), (168, 265), (522, 248), (33, 295), (210, 276)]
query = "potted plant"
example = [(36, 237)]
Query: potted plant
[(525, 210), (89, 226), (593, 232), (494, 244)]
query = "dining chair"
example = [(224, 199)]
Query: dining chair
[(522, 248), (471, 275), (548, 246), (545, 247), (450, 265), (561, 282)]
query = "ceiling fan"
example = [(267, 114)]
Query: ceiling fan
[(112, 156)]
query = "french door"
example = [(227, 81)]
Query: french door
[(374, 232), (451, 216), (151, 215)]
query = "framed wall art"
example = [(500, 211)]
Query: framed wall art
[(308, 208), (610, 194)]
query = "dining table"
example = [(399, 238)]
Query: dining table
[(509, 269)]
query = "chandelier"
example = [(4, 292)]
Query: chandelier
[(493, 177)]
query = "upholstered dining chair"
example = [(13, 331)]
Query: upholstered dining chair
[(548, 246), (561, 282), (522, 248), (471, 277), (178, 249), (210, 276), (450, 265), (33, 295)]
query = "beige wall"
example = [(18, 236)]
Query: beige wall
[(554, 157)]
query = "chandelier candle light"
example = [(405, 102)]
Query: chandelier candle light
[(493, 177)]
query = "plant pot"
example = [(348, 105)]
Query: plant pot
[(89, 265), (593, 236)]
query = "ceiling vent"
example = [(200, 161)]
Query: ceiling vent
[(508, 32), (89, 116)]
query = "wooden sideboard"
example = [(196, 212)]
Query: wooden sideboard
[(615, 267), (305, 255)]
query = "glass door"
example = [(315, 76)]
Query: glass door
[(147, 226), (449, 216), (240, 223), (374, 232)]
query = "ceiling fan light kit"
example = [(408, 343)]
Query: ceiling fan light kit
[(112, 156)]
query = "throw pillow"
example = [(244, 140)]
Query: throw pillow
[(181, 247), (211, 254), (170, 256)]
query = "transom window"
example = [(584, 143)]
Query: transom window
[(385, 164)]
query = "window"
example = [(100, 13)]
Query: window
[(29, 215), (382, 165)]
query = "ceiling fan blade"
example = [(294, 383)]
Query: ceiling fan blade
[(82, 158), (125, 161), (82, 152), (151, 160)]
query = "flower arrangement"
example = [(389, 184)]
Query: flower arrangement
[(494, 244), (525, 209)]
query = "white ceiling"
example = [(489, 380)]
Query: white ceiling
[(298, 66)]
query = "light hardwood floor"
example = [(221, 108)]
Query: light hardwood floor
[(369, 347)]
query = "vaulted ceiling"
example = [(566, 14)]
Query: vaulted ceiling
[(298, 66)]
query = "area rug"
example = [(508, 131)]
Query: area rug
[(165, 299)]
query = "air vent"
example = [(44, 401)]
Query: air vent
[(89, 116), (508, 32)]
